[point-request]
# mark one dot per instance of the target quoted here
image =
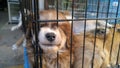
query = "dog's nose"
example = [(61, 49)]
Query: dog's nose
[(50, 36)]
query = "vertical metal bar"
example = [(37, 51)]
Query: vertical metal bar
[(118, 56), (92, 2), (57, 25), (30, 7), (40, 56), (57, 59), (106, 23), (33, 28), (29, 4), (36, 17), (114, 30), (98, 4), (26, 11), (71, 34), (25, 3), (23, 15), (57, 9), (36, 47), (84, 33)]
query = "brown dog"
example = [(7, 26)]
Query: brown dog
[(53, 38), (56, 38)]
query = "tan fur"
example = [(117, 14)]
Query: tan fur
[(50, 58), (101, 58), (102, 55), (115, 46)]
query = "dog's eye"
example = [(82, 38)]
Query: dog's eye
[(42, 25), (54, 26)]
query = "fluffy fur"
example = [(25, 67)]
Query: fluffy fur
[(78, 26), (102, 53), (115, 46), (99, 56), (60, 45)]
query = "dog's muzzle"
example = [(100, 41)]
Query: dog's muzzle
[(50, 37)]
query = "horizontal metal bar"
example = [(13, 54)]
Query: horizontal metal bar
[(60, 20)]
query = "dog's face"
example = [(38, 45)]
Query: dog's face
[(49, 34), (52, 35)]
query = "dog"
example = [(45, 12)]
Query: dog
[(114, 54), (78, 26), (47, 35), (102, 56), (54, 38)]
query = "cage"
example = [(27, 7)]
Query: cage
[(80, 10)]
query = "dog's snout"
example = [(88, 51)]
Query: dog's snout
[(50, 36)]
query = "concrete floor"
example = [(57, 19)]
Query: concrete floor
[(8, 57)]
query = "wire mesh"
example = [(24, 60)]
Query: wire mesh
[(107, 10)]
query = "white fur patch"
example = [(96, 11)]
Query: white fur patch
[(78, 26), (19, 23), (47, 45)]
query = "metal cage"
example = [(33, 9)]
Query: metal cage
[(107, 10)]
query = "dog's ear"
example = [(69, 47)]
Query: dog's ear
[(66, 28), (70, 37)]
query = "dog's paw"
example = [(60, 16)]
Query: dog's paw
[(14, 47)]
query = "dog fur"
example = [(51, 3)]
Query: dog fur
[(99, 56), (102, 52), (49, 56), (78, 26), (61, 45), (115, 45)]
